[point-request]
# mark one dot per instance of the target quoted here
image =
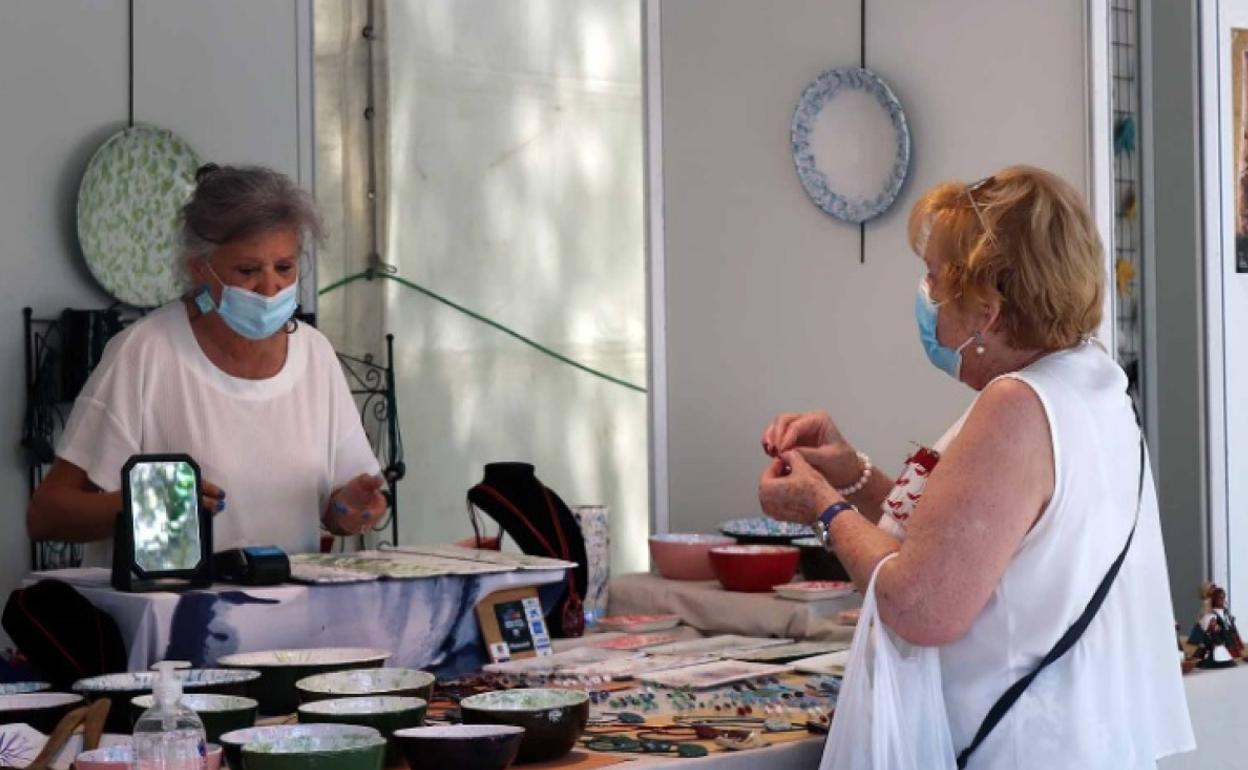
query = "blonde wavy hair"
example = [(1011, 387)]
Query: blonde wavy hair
[(1025, 238)]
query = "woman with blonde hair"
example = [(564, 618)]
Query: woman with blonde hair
[(1026, 541)]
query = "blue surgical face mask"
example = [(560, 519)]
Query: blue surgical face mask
[(948, 360), (252, 315)]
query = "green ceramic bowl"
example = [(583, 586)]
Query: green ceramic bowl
[(552, 719), (401, 682), (386, 714), (40, 710), (232, 743), (280, 669), (316, 752), (219, 713), (463, 747), (120, 688)]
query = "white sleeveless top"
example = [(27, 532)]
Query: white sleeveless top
[(1116, 699)]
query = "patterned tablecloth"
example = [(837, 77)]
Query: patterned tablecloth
[(427, 624)]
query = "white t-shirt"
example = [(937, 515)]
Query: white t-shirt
[(277, 446), (1115, 701)]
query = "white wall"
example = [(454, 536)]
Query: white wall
[(768, 308), (229, 76)]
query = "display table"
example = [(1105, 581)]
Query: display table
[(706, 606), (427, 624)]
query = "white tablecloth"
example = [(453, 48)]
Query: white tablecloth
[(428, 624)]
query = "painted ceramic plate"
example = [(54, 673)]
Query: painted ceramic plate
[(21, 688), (786, 653), (715, 674), (142, 681), (639, 624), (636, 641), (326, 574), (851, 143), (327, 655), (815, 590), (715, 645), (128, 206), (832, 663), (762, 529)]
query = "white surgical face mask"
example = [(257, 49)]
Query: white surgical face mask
[(251, 315)]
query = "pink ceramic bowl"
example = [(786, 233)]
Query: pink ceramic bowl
[(681, 556), (121, 757), (754, 568)]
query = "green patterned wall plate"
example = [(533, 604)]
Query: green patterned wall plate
[(128, 213)]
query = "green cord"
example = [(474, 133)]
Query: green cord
[(369, 275)]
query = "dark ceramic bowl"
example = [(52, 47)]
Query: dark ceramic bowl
[(817, 563), (316, 752), (552, 719), (399, 682), (40, 710), (754, 568), (219, 713), (232, 743), (462, 747), (281, 669), (386, 714), (121, 688)]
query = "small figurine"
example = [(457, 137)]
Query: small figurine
[(1217, 640)]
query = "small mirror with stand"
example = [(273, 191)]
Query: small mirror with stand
[(162, 539)]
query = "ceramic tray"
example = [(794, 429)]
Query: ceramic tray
[(326, 574), (714, 674), (128, 205), (814, 590), (715, 645), (518, 560), (639, 624), (636, 641), (786, 653)]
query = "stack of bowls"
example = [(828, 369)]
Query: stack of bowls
[(553, 720), (685, 556), (122, 688), (384, 713), (233, 742), (281, 669)]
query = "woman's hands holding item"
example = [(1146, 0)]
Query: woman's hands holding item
[(357, 506), (821, 443), (791, 489)]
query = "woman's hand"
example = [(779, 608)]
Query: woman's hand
[(821, 443), (791, 489), (213, 498), (356, 506)]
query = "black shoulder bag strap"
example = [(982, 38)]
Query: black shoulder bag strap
[(1068, 639)]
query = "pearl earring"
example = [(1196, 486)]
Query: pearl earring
[(979, 343)]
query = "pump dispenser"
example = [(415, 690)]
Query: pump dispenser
[(168, 736)]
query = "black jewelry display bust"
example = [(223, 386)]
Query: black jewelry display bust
[(542, 525)]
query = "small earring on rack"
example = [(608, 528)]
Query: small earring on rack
[(979, 343), (204, 300)]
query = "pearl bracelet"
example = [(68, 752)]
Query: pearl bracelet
[(861, 483)]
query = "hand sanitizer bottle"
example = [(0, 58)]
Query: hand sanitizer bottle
[(168, 736)]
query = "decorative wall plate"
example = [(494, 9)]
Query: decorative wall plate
[(128, 206), (851, 143)]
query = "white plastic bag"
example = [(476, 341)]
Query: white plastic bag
[(890, 714)]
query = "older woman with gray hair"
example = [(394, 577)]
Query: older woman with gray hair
[(226, 376)]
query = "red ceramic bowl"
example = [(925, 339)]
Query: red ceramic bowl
[(754, 568), (680, 556)]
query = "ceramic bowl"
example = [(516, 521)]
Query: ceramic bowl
[(552, 719), (817, 563), (754, 568), (762, 530), (402, 682), (40, 710), (280, 669), (684, 556), (219, 713), (21, 688), (384, 713), (122, 758), (463, 747), (120, 688), (233, 742), (316, 752)]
